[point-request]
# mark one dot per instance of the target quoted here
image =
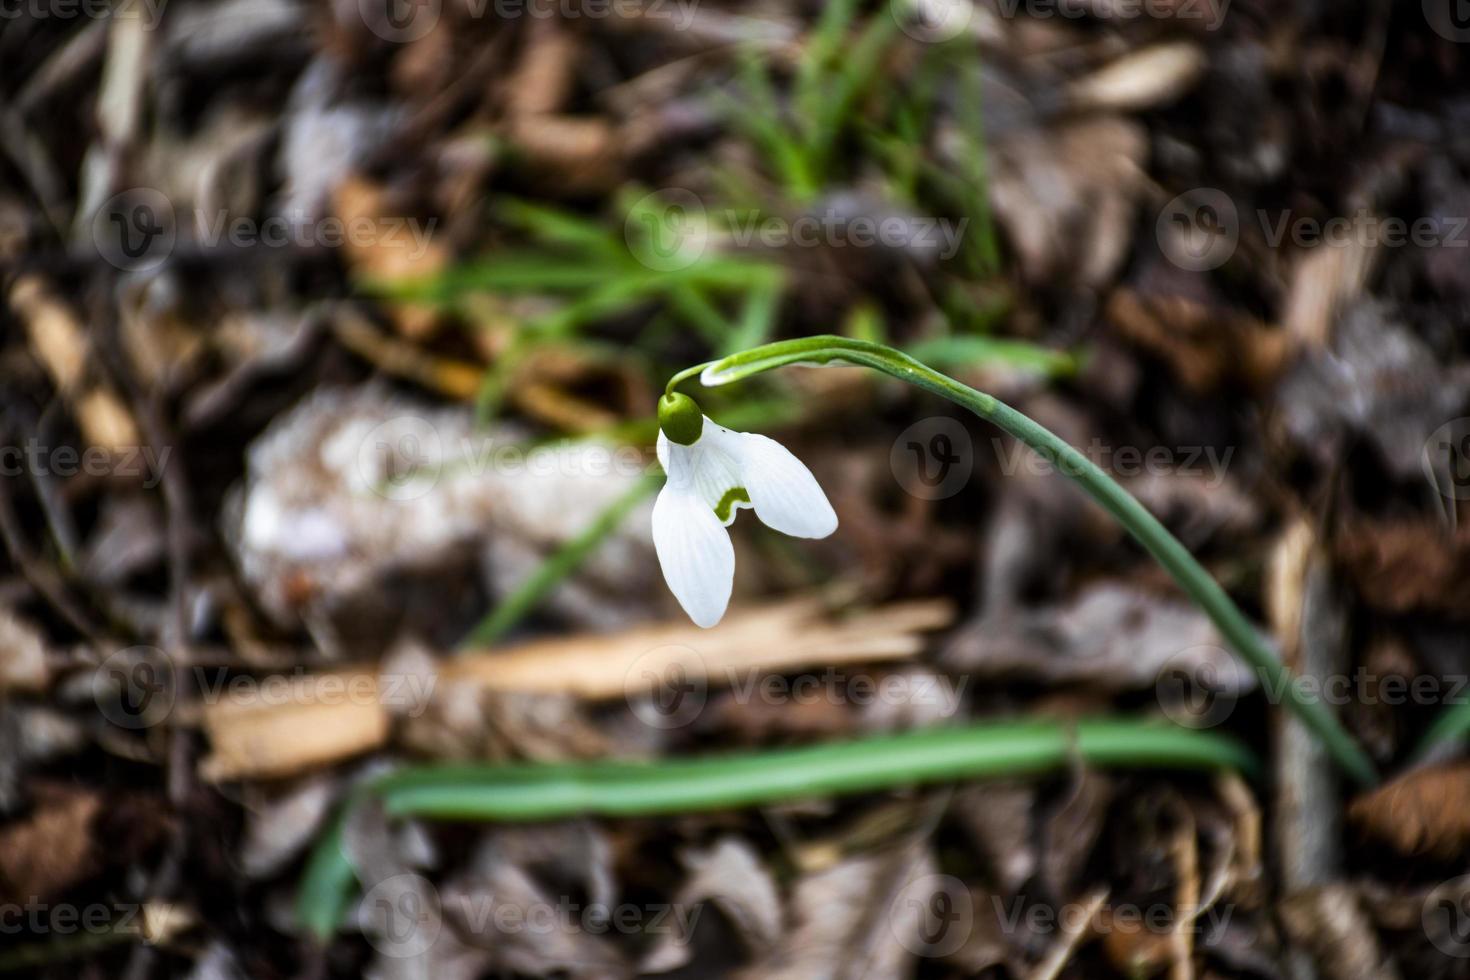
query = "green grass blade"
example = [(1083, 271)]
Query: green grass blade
[(625, 789), (562, 563)]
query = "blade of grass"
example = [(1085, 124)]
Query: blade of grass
[(859, 69), (758, 318), (968, 351), (694, 306), (554, 226), (560, 564), (1451, 724), (624, 789)]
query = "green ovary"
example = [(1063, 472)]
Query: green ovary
[(733, 496)]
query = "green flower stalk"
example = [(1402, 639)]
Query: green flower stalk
[(1165, 548)]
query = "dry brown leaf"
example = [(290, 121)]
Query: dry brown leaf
[(391, 254), (569, 155), (731, 876), (58, 339), (279, 828), (1206, 347), (1330, 922), (1065, 196), (1423, 812), (861, 918), (998, 817), (544, 75), (1323, 282), (52, 849), (23, 655), (1071, 831), (459, 380), (501, 901), (1402, 566), (1379, 379), (1116, 637)]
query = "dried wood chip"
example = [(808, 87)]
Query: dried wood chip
[(269, 731), (295, 724)]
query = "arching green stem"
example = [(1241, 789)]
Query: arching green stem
[(1165, 548)]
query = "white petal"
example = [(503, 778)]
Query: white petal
[(785, 494), (709, 467), (694, 552)]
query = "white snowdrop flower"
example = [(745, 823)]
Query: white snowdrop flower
[(712, 473)]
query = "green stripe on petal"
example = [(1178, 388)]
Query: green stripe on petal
[(733, 496)]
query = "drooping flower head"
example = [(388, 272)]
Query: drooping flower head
[(713, 472)]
